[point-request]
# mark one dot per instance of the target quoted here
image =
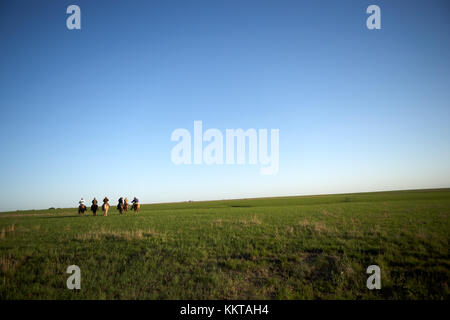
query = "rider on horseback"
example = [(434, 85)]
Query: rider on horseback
[(105, 202), (135, 204), (120, 204), (94, 206), (81, 206)]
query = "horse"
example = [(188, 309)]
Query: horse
[(94, 209), (81, 209), (126, 205), (105, 207), (120, 207), (136, 207)]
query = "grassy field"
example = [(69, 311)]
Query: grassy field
[(314, 247)]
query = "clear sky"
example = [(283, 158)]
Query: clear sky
[(90, 112)]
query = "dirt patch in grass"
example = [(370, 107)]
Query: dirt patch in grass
[(8, 230), (252, 221), (9, 264), (314, 226)]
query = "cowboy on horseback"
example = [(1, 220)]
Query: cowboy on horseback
[(120, 205), (105, 201), (105, 206), (125, 205), (135, 204), (94, 206), (81, 207)]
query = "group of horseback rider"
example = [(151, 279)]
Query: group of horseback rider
[(122, 206)]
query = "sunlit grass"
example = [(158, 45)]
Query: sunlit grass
[(272, 248)]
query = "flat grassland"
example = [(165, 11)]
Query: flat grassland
[(311, 247)]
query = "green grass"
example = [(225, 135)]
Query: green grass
[(314, 247)]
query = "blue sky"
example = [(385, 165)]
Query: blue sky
[(90, 112)]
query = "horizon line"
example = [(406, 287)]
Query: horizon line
[(256, 198)]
